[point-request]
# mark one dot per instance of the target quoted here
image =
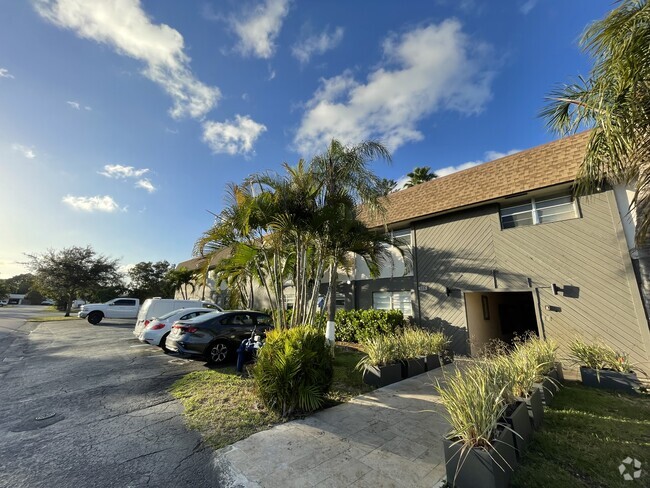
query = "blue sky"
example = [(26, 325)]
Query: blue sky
[(121, 121)]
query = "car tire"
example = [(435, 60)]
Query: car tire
[(218, 352), (95, 317), (163, 343)]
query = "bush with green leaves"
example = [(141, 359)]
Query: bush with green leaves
[(598, 356), (294, 370), (359, 325), (417, 342)]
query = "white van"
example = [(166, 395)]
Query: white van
[(157, 307)]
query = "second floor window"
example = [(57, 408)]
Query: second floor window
[(539, 211)]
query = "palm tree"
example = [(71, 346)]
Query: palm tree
[(180, 279), (347, 181), (421, 174), (386, 186), (615, 102)]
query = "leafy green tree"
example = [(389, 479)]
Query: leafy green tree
[(20, 283), (614, 100), (72, 272), (421, 174), (386, 186), (180, 279), (150, 279), (4, 289), (34, 297)]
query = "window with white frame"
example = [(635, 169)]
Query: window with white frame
[(402, 238), (539, 211), (393, 300)]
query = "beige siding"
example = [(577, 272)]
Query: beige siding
[(588, 253)]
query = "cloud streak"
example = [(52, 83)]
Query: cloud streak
[(4, 73), (122, 172), (259, 28), (316, 44), (26, 151), (145, 184), (91, 204), (428, 69), (124, 26)]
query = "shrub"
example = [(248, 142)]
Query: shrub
[(524, 372), (474, 404), (359, 325), (598, 356), (418, 342), (294, 370), (501, 369), (380, 351), (541, 352)]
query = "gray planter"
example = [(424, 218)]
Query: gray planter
[(382, 375), (548, 388), (519, 421), (481, 468), (535, 407), (431, 362), (611, 380), (415, 366), (557, 373)]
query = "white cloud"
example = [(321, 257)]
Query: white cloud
[(119, 171), (145, 184), (27, 152), (488, 156), (232, 137), (259, 28), (305, 48), (74, 105), (428, 69), (125, 26), (527, 6), (4, 73), (91, 204)]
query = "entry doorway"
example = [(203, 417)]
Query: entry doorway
[(499, 316)]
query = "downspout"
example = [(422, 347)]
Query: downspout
[(415, 273)]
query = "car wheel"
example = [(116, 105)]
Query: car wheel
[(163, 342), (218, 353), (95, 317)]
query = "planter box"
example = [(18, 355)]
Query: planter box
[(535, 408), (548, 388), (481, 468), (557, 373), (519, 421), (611, 380), (382, 375), (432, 362), (414, 367)]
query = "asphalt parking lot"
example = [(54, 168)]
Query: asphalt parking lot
[(84, 405)]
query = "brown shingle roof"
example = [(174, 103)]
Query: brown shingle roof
[(199, 262), (546, 165)]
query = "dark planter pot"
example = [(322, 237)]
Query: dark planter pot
[(548, 388), (431, 362), (535, 408), (414, 367), (557, 373), (481, 468), (611, 380), (382, 375), (518, 419)]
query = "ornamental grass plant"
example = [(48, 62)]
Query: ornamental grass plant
[(598, 356), (380, 350)]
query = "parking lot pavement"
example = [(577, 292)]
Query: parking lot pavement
[(87, 406)]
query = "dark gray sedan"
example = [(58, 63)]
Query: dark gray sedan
[(216, 336)]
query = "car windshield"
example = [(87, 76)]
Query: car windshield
[(205, 317)]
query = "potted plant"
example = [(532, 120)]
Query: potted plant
[(411, 351), (542, 353), (516, 411), (602, 367), (479, 449), (524, 373), (379, 365), (435, 344)]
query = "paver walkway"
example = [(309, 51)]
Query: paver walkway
[(390, 437)]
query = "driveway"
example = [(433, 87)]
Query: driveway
[(84, 405)]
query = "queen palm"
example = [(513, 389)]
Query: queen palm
[(615, 102), (347, 181), (421, 174)]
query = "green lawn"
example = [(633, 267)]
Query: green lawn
[(586, 434), (52, 318), (223, 406)]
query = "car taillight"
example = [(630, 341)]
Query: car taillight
[(146, 322), (157, 326), (185, 330)]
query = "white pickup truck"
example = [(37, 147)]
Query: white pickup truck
[(118, 308)]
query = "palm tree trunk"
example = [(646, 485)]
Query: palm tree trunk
[(330, 330), (643, 247)]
